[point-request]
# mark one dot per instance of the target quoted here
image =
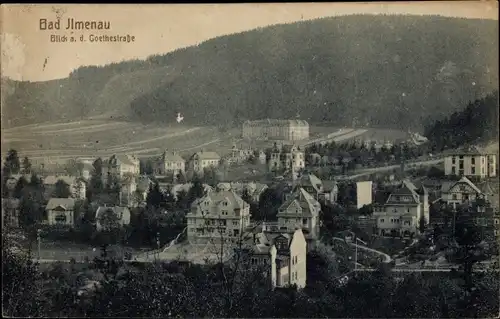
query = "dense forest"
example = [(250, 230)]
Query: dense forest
[(476, 124), (393, 71)]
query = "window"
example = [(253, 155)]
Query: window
[(235, 223), (461, 157), (473, 170), (454, 196), (453, 171), (381, 220), (453, 160), (473, 160), (407, 210), (497, 221)]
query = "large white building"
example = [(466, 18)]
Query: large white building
[(218, 215), (470, 162), (400, 215), (291, 130)]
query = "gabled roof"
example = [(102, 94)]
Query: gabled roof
[(300, 198), (463, 180), (171, 157), (218, 197), (311, 180), (406, 188), (66, 203), (123, 159)]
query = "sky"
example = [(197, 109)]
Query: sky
[(29, 55)]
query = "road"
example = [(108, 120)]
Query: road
[(369, 171)]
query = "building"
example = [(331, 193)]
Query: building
[(300, 210), (10, 212), (77, 186), (290, 130), (110, 217), (239, 155), (60, 211), (134, 190), (400, 215), (118, 166), (201, 160), (286, 158), (364, 193), (170, 163), (459, 192), (471, 162), (175, 189), (262, 158), (283, 256), (253, 189), (321, 191), (218, 215)]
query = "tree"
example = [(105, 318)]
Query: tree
[(109, 220), (269, 202), (469, 251), (26, 165), (21, 184), (62, 190), (196, 191), (154, 197), (422, 223), (12, 163)]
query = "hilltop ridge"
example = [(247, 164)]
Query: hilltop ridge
[(391, 71)]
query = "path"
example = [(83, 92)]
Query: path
[(387, 258)]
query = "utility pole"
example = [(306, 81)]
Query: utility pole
[(158, 243), (39, 240)]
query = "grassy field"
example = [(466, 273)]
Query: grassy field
[(58, 142)]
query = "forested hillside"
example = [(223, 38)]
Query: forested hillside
[(476, 124), (392, 71)]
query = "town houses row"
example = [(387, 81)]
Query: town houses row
[(222, 214)]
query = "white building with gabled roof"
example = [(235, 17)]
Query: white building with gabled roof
[(459, 192), (221, 214), (282, 256)]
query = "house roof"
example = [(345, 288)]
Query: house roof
[(123, 159), (203, 155), (408, 188), (171, 157), (53, 179), (465, 180), (222, 195), (470, 150), (311, 180), (299, 199), (66, 203)]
